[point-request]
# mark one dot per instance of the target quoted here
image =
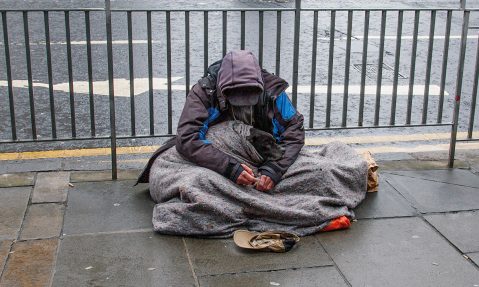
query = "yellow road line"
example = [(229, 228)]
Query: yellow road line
[(419, 148), (383, 138), (70, 153), (75, 153)]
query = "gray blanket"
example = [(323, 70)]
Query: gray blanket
[(324, 183)]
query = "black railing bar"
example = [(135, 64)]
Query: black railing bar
[(109, 38), (458, 91), (267, 9), (412, 70), (474, 95), (445, 56), (203, 10), (90, 74), (169, 135), (29, 75), (432, 27), (313, 70), (278, 43), (396, 69), (380, 68), (260, 37), (332, 30), (376, 9), (243, 16), (83, 138), (363, 67), (168, 69), (239, 9), (9, 76), (205, 41), (131, 71), (70, 74), (377, 127), (187, 52), (347, 63), (297, 23), (53, 140), (224, 27), (150, 74), (46, 21), (467, 140), (53, 10)]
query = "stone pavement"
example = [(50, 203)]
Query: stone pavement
[(79, 228)]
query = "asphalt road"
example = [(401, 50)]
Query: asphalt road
[(121, 72)]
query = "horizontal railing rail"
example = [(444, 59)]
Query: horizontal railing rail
[(357, 88)]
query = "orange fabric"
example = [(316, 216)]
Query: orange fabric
[(339, 223)]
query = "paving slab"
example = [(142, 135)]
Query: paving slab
[(107, 206), (474, 164), (30, 264), (430, 196), (13, 203), (104, 175), (210, 257), (89, 163), (462, 229), (419, 165), (13, 166), (43, 221), (474, 257), (453, 176), (17, 179), (122, 259), (433, 155), (397, 252), (4, 249), (306, 277), (386, 202), (391, 156), (51, 187)]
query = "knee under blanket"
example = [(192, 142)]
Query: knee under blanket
[(324, 183)]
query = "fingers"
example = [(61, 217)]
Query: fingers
[(245, 178), (270, 185), (250, 178), (247, 168), (265, 183)]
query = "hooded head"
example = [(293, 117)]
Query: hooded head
[(240, 79)]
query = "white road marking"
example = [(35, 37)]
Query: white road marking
[(144, 42), (122, 87)]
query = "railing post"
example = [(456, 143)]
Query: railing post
[(463, 4), (457, 103), (297, 18), (114, 172)]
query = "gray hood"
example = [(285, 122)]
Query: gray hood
[(240, 79)]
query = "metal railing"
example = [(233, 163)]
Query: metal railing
[(326, 106)]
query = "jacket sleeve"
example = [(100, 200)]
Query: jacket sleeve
[(191, 142), (288, 130)]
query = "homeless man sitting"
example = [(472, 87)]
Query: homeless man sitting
[(236, 90)]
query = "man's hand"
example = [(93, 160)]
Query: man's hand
[(265, 183), (247, 176)]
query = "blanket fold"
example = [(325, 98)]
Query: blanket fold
[(324, 183)]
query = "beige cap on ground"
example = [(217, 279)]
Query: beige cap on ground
[(276, 241)]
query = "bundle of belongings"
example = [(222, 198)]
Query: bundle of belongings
[(323, 185)]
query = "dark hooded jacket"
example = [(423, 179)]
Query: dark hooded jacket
[(206, 105)]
